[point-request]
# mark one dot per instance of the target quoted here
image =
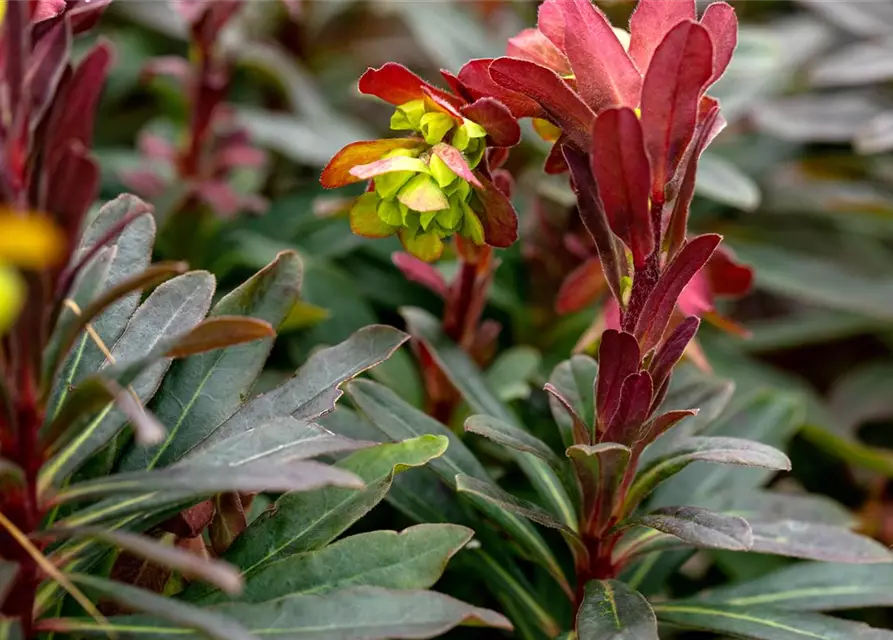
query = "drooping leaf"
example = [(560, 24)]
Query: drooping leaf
[(411, 559), (202, 391), (717, 450), (815, 541), (701, 527), (763, 623), (208, 623), (811, 586), (612, 611)]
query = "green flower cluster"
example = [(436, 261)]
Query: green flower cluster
[(421, 198)]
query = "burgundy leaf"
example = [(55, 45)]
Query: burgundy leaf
[(456, 85), (84, 14), (580, 430), (659, 307), (475, 79), (398, 85), (498, 217), (679, 72), (46, 9), (593, 216), (659, 425), (419, 271), (651, 21), (635, 405), (581, 288), (504, 182), (454, 159), (495, 117), (618, 358), (720, 21), (727, 276), (533, 45), (555, 163), (562, 105), (671, 350), (621, 170), (72, 187), (16, 45), (48, 64), (605, 74), (710, 124)]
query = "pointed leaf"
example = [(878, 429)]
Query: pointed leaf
[(219, 333), (571, 387), (513, 438), (761, 623), (454, 159), (701, 528), (662, 301), (605, 74), (337, 172), (717, 450), (627, 425), (670, 352), (651, 22), (414, 558), (815, 541), (202, 391), (621, 168), (678, 74), (612, 611)]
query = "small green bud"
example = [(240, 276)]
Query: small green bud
[(472, 229), (421, 193), (427, 218), (459, 188), (441, 172), (424, 246), (434, 126), (466, 133), (408, 115), (388, 184), (451, 218), (389, 212)]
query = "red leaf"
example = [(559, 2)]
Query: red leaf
[(621, 170), (618, 358), (532, 45), (398, 85), (495, 117), (454, 159), (651, 22), (661, 302), (722, 24), (337, 172), (498, 217), (476, 80), (504, 181), (710, 124), (562, 105), (456, 85), (679, 72), (581, 288), (416, 270), (672, 349), (727, 276), (550, 21), (605, 74), (593, 216), (635, 405), (555, 162)]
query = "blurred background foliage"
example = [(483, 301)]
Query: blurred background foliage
[(800, 185)]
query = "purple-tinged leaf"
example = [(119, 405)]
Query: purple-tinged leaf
[(72, 186), (476, 80), (711, 123), (593, 215), (419, 271), (651, 22), (659, 425), (496, 118), (815, 541), (613, 611), (84, 14), (551, 92), (718, 450), (49, 60), (618, 358), (533, 45), (670, 352), (636, 394), (337, 172), (701, 528), (661, 302), (605, 74), (17, 45), (454, 159), (498, 217), (600, 469), (678, 74), (722, 24), (621, 170)]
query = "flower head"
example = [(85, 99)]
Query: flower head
[(437, 181)]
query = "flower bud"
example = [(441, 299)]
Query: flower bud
[(408, 116)]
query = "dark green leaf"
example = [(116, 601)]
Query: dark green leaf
[(202, 391), (612, 611), (412, 559), (510, 374), (814, 541), (701, 528), (513, 438), (762, 623), (812, 586), (574, 382), (720, 450), (209, 623)]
